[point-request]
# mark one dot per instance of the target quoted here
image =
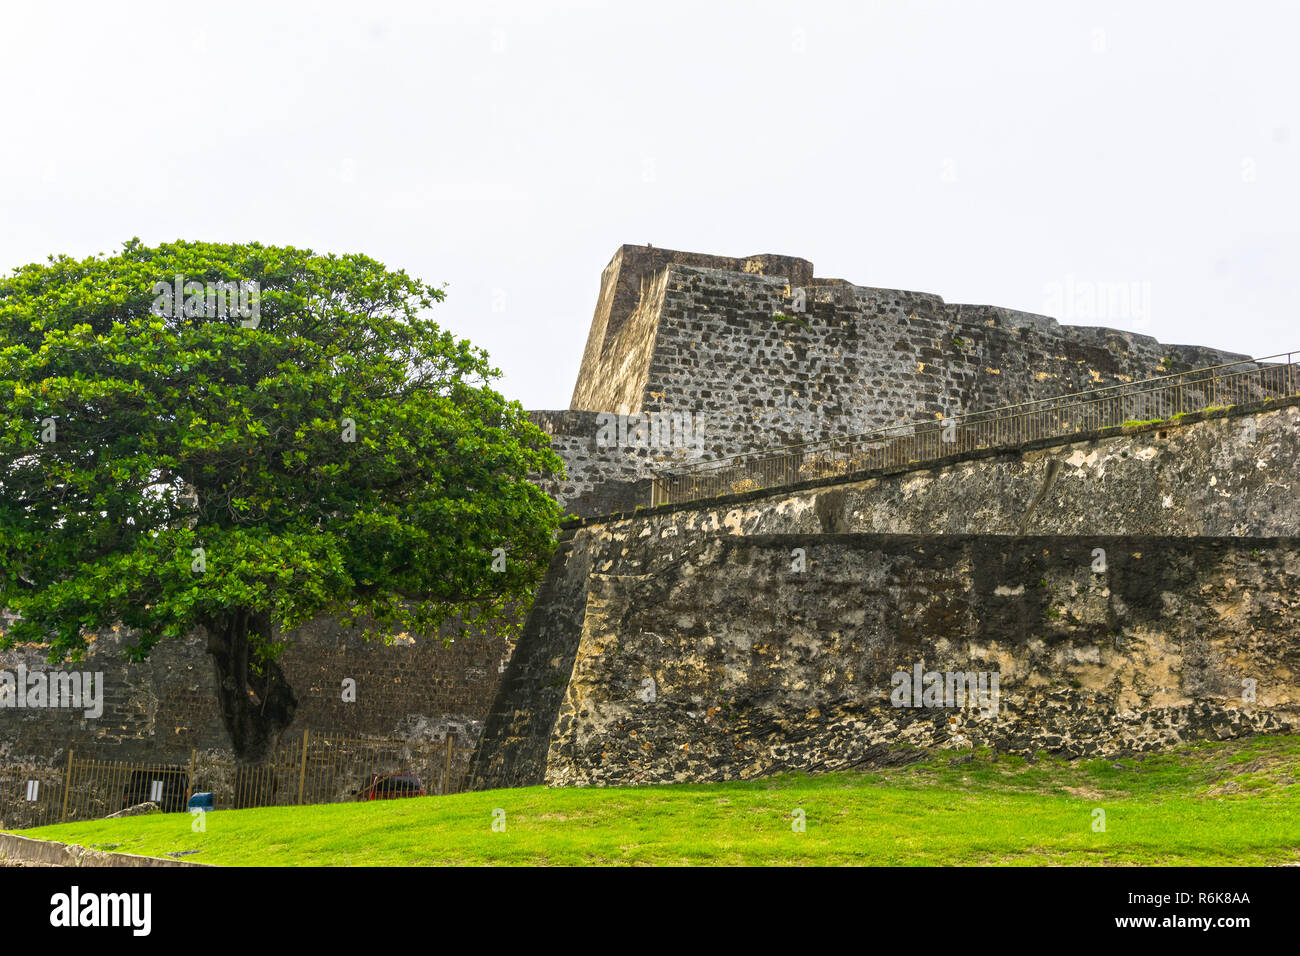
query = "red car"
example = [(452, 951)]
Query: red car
[(393, 786)]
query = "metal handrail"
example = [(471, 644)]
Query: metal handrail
[(672, 487)]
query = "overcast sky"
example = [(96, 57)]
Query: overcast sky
[(1121, 164)]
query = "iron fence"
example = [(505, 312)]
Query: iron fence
[(313, 768), (1159, 399)]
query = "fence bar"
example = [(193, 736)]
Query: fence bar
[(337, 767), (302, 771), (67, 788)]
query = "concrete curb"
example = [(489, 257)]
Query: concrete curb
[(49, 853)]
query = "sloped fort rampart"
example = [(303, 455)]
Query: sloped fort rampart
[(1132, 588)]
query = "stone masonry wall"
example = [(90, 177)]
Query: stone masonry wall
[(1210, 476), (685, 332), (616, 358), (415, 689), (601, 479), (1231, 472), (867, 358), (758, 668)]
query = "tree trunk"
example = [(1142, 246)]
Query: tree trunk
[(257, 703)]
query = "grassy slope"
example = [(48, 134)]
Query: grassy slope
[(1235, 803)]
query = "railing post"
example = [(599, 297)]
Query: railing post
[(302, 767), (67, 788), (446, 787)]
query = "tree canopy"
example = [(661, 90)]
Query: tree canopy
[(243, 458)]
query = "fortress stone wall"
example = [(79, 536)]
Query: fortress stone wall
[(984, 561), (414, 689), (676, 332), (602, 477), (756, 668), (1215, 474)]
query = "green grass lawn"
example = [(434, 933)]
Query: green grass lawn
[(1230, 804)]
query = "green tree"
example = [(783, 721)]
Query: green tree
[(318, 446)]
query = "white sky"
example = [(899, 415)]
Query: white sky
[(1016, 154)]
